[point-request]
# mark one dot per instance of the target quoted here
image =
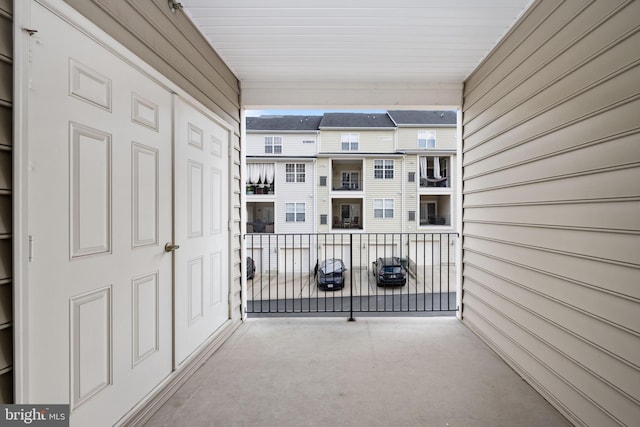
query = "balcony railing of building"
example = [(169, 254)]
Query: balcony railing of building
[(434, 172), (347, 273)]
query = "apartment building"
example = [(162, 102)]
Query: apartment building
[(280, 189), (391, 172)]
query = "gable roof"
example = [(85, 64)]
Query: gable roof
[(289, 123), (423, 117), (356, 120)]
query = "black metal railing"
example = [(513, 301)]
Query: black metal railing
[(351, 273)]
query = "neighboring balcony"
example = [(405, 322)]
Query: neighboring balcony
[(261, 189), (435, 210), (260, 217), (347, 175), (346, 214), (260, 179), (434, 172)]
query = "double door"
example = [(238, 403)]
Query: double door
[(120, 170)]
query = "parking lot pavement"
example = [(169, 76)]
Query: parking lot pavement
[(272, 286)]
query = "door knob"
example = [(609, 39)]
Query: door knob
[(170, 247)]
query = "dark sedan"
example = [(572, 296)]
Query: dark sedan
[(251, 268), (331, 274), (389, 271)]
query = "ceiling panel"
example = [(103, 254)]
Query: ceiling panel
[(353, 40), (353, 53)]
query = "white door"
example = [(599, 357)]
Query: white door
[(296, 261), (201, 227), (99, 213)]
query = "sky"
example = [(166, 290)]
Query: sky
[(255, 113)]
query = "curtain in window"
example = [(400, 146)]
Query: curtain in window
[(269, 173), (423, 167), (436, 167), (254, 171)]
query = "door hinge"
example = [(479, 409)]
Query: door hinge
[(30, 250), (230, 225)]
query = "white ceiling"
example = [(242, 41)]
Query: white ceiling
[(358, 41)]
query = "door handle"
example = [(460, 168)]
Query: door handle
[(170, 247)]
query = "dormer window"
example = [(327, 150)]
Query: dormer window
[(426, 139), (273, 144)]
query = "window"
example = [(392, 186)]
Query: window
[(349, 142), (383, 208), (323, 181), (273, 144), (426, 139), (350, 180), (295, 172), (383, 169), (434, 171), (295, 212), (323, 219), (412, 177)]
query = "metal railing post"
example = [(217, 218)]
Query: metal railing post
[(351, 318)]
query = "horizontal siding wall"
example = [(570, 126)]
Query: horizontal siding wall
[(6, 200), (551, 212), (293, 144), (369, 141), (445, 138), (172, 45)]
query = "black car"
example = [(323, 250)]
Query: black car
[(389, 271), (251, 268), (331, 274)]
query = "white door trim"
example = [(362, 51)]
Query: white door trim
[(22, 40)]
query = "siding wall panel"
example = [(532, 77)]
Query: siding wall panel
[(551, 231), (570, 42), (604, 372), (609, 125), (6, 200), (597, 303)]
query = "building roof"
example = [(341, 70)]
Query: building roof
[(290, 123), (423, 117), (356, 120)]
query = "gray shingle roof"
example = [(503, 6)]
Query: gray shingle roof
[(417, 117), (356, 120), (266, 123)]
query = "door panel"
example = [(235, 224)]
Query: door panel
[(99, 196), (201, 263)]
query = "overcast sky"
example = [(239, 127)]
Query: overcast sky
[(255, 113)]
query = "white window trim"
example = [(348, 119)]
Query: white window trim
[(296, 206), (350, 139), (424, 135), (270, 142), (350, 172), (384, 208), (384, 168), (295, 173)]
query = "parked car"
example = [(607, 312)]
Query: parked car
[(389, 271), (251, 268), (331, 274)]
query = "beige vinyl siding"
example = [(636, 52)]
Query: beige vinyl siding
[(551, 224), (383, 189), (411, 199), (292, 144), (172, 45), (408, 137), (6, 197), (294, 192), (370, 141), (323, 168)]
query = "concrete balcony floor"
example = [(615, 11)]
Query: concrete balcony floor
[(428, 371)]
